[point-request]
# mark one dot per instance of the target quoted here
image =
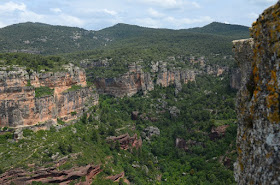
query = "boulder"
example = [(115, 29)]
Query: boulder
[(150, 131), (218, 132)]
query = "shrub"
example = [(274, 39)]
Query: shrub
[(73, 113), (74, 88), (43, 91), (27, 132), (60, 122)]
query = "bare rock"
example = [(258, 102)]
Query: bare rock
[(134, 115), (126, 141), (49, 175), (149, 132), (218, 132), (258, 106)]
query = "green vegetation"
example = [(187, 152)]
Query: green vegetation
[(43, 91), (189, 115), (74, 88), (73, 113), (203, 104), (121, 44), (4, 137), (48, 39), (32, 62), (28, 83), (60, 122)]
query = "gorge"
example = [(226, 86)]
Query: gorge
[(135, 105)]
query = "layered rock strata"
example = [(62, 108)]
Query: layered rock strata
[(19, 106), (50, 175), (258, 106), (135, 80)]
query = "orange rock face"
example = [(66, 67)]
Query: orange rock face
[(136, 80), (19, 107)]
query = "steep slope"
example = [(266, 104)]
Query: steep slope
[(27, 98), (258, 134)]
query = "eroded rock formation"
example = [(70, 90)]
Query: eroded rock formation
[(135, 80), (50, 175), (258, 135), (126, 142), (20, 107), (116, 178)]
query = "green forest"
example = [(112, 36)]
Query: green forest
[(159, 160), (191, 115)]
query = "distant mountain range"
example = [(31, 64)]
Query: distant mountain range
[(48, 39)]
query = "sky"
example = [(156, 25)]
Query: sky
[(99, 14)]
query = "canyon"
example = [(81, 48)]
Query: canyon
[(21, 107)]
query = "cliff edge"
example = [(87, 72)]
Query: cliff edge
[(27, 98), (258, 134)]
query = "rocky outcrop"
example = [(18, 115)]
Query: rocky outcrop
[(19, 105), (258, 135), (126, 142), (235, 79), (218, 132), (126, 85), (50, 175), (136, 80), (186, 145), (181, 143), (116, 178), (150, 132)]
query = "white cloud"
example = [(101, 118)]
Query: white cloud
[(171, 4), (148, 22), (253, 15), (111, 12), (263, 2), (11, 13), (68, 20), (155, 13), (195, 4), (95, 12), (25, 16), (2, 25), (56, 10), (173, 22), (11, 6), (181, 23)]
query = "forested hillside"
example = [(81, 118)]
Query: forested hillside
[(48, 39), (178, 133)]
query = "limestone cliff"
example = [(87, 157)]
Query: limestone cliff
[(235, 79), (135, 80), (20, 107), (258, 106)]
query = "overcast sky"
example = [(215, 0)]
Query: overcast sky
[(98, 14)]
